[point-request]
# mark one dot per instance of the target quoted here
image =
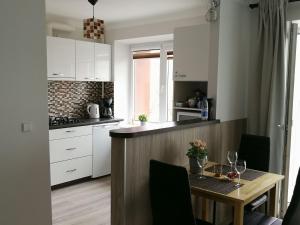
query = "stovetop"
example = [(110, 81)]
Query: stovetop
[(58, 121)]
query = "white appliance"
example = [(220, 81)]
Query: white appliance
[(182, 115), (93, 111), (102, 149)]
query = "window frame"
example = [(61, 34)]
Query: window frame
[(164, 48)]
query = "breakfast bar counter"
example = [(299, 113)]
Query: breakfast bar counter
[(157, 128), (133, 148)]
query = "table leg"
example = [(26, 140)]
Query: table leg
[(205, 209), (273, 201), (238, 214)]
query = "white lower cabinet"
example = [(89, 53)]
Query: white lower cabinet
[(79, 152), (70, 132), (70, 148), (70, 170), (71, 154)]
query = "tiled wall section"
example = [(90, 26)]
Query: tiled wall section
[(70, 98)]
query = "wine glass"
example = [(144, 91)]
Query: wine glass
[(202, 162), (232, 158), (240, 167)]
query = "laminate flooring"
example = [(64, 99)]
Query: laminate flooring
[(85, 203)]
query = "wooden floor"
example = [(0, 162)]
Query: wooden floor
[(86, 203)]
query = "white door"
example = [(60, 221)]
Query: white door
[(84, 61), (102, 149), (60, 58), (102, 62)]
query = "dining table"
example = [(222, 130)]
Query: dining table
[(221, 189)]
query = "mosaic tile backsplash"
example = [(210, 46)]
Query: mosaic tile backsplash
[(70, 98)]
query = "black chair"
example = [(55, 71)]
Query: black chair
[(292, 216), (256, 151), (170, 195)]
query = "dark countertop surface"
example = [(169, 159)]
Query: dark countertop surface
[(86, 122), (156, 128)]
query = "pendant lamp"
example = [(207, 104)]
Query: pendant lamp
[(93, 28)]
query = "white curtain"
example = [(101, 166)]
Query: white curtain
[(267, 116)]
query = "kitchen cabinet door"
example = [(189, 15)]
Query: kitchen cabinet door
[(102, 149), (85, 61), (70, 148), (191, 53), (69, 170), (60, 58), (102, 62)]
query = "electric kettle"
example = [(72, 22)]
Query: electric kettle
[(93, 111)]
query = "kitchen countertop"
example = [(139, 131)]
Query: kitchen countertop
[(86, 122), (156, 128)]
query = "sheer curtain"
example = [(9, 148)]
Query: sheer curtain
[(267, 116)]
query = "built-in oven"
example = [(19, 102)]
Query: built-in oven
[(181, 115)]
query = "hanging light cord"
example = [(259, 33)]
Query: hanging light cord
[(93, 11), (93, 3)]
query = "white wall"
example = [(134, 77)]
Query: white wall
[(74, 23), (126, 31), (120, 37), (24, 157), (233, 60), (151, 29)]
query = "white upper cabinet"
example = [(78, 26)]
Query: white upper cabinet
[(78, 60), (60, 58), (102, 62), (191, 53), (85, 62)]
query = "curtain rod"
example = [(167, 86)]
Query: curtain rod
[(253, 6)]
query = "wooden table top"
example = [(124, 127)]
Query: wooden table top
[(245, 194)]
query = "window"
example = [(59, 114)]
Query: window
[(153, 84)]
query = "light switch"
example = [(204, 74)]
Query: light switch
[(27, 127)]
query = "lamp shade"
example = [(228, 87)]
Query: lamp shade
[(94, 29)]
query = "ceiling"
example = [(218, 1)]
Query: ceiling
[(118, 11)]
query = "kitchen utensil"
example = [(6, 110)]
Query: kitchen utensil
[(179, 104), (93, 110), (192, 102), (202, 163), (240, 167), (218, 170)]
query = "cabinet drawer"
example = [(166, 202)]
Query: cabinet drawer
[(70, 170), (70, 132), (69, 148)]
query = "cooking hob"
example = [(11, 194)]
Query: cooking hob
[(58, 121)]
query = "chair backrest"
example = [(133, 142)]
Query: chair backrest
[(256, 151), (170, 195), (292, 216)]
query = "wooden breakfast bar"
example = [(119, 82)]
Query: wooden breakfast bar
[(133, 148)]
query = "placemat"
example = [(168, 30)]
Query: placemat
[(249, 174), (222, 186)]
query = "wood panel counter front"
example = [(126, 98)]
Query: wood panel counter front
[(132, 149)]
